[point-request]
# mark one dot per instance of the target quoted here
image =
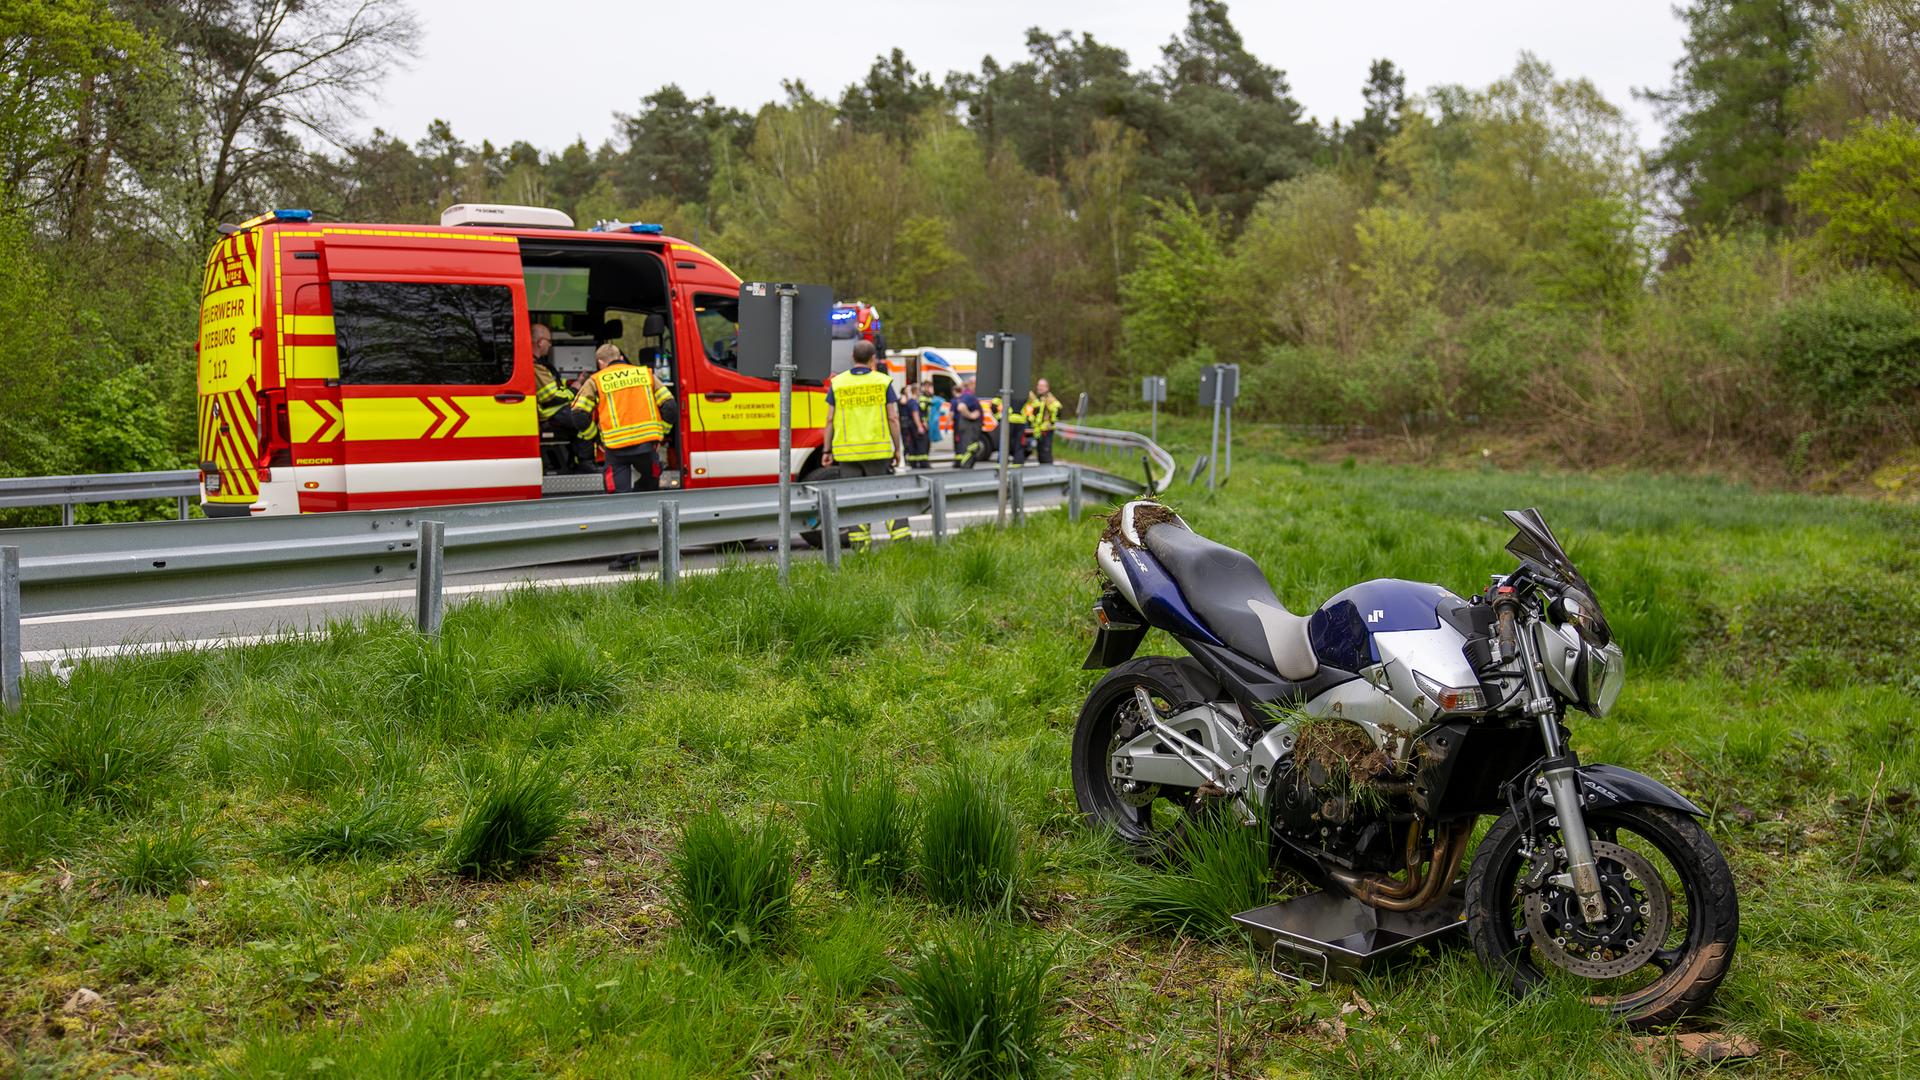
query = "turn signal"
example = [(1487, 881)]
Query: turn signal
[(1451, 699)]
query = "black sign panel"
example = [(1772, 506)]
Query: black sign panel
[(1222, 380), (988, 362), (760, 331)]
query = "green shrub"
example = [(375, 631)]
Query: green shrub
[(733, 884), (161, 859), (367, 824), (979, 999), (35, 822), (511, 815), (1852, 349), (860, 823), (969, 844), (1214, 869)]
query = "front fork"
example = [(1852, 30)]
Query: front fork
[(1561, 773)]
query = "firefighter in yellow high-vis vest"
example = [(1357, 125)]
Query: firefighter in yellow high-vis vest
[(633, 412), (863, 429), (1043, 413)]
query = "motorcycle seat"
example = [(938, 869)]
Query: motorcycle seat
[(1230, 594)]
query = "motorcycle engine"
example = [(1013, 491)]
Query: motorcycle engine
[(1339, 798)]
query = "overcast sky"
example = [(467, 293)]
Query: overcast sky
[(553, 70)]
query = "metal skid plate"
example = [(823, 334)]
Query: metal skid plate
[(1335, 936)]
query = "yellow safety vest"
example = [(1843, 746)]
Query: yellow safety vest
[(1042, 413), (627, 405), (860, 428)]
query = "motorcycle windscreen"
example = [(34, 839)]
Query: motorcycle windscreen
[(1535, 543)]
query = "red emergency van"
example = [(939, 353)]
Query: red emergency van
[(355, 367)]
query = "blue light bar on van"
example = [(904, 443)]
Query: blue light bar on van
[(636, 227), (293, 215)]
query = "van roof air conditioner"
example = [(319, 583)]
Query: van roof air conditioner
[(504, 214)]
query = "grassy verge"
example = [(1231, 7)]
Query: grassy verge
[(359, 854)]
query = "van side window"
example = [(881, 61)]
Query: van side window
[(423, 333), (718, 318)]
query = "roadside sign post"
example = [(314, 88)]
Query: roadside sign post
[(1210, 395), (10, 647), (1231, 389), (1219, 385), (798, 317), (1016, 368), (785, 370), (1153, 388)]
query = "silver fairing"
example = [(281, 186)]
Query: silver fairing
[(1435, 653)]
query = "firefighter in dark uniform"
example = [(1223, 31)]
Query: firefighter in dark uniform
[(561, 448), (914, 431)]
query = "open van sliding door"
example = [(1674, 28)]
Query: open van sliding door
[(435, 368)]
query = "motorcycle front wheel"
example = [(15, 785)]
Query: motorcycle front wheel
[(1145, 817), (1672, 921)]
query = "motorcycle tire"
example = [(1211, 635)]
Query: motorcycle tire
[(1689, 969), (1171, 683)]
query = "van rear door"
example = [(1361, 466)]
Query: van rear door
[(229, 376), (435, 369)]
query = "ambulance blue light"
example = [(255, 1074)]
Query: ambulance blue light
[(650, 230), (293, 215)]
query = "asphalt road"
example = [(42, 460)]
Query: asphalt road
[(58, 640)]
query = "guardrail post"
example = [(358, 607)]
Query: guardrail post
[(669, 544), (183, 507), (427, 605), (1074, 494), (1019, 494), (9, 628), (66, 514), (937, 495), (829, 526)]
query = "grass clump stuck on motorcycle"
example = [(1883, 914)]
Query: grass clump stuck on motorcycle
[(1367, 739)]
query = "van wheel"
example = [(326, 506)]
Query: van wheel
[(811, 536)]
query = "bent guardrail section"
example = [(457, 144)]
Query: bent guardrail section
[(1161, 468)]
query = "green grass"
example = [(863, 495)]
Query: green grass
[(1773, 680), (979, 997), (512, 812), (861, 823), (1214, 868), (969, 844), (733, 883), (160, 859)]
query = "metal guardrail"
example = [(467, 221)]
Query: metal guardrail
[(66, 492), (105, 567), (102, 567), (1158, 463)]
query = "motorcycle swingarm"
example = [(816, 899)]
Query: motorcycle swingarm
[(1605, 786)]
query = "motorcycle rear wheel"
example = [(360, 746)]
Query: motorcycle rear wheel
[(1105, 721), (1696, 926)]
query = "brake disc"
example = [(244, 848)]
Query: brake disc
[(1639, 914), (1129, 723)]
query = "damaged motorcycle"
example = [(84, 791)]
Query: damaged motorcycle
[(1370, 737)]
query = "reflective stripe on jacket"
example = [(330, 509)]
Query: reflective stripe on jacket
[(860, 428), (1042, 413), (550, 395), (625, 402)]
